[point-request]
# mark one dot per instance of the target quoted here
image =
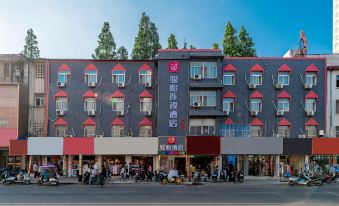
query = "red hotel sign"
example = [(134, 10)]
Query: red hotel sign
[(173, 66), (171, 140)]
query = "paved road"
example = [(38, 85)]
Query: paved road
[(154, 194)]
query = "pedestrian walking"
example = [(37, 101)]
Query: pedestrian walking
[(35, 170)]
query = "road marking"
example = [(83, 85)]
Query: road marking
[(163, 204)]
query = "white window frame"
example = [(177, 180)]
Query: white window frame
[(41, 101), (256, 103), (282, 77), (145, 78), (228, 103), (205, 98), (256, 76), (89, 130), (61, 104), (311, 78), (284, 131), (311, 131), (3, 123), (60, 130), (117, 75), (117, 131), (202, 68), (145, 131), (145, 104), (283, 104), (90, 104), (118, 104), (256, 131), (65, 76), (202, 126), (91, 77), (230, 75), (310, 105)]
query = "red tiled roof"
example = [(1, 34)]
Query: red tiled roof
[(60, 122), (257, 68), (64, 67), (284, 122), (146, 94), (311, 122), (257, 122), (312, 68), (89, 121), (284, 95), (284, 68), (89, 94), (228, 121), (118, 67), (145, 67), (117, 121), (229, 68), (311, 95), (61, 93), (145, 122), (118, 93), (90, 67), (229, 94), (256, 95)]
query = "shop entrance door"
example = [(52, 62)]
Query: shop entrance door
[(203, 162), (180, 163)]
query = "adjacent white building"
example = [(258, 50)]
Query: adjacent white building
[(335, 26)]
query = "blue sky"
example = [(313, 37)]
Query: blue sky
[(69, 28)]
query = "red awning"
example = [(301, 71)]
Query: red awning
[(256, 95), (311, 122), (284, 122), (257, 68), (18, 147), (118, 67), (117, 121), (311, 95), (203, 145), (90, 67), (60, 122), (89, 121), (312, 68), (284, 95), (78, 145), (61, 93), (145, 67), (257, 122), (145, 122), (228, 121), (89, 94), (229, 68), (118, 94), (145, 94), (284, 68), (229, 94), (64, 67)]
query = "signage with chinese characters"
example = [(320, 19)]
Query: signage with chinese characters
[(172, 145), (173, 67)]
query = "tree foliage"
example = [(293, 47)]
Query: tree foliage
[(146, 43), (172, 42), (246, 45), (215, 46), (31, 49), (122, 53), (106, 45), (230, 41)]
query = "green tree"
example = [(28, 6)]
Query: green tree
[(146, 43), (122, 53), (246, 45), (106, 45), (230, 41), (215, 46), (185, 44), (31, 49), (172, 42), (191, 46)]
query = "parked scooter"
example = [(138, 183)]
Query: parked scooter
[(197, 176), (305, 180), (2, 173), (240, 176), (232, 177), (21, 178), (140, 175), (335, 177), (96, 180)]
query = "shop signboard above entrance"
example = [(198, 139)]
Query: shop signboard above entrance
[(172, 145)]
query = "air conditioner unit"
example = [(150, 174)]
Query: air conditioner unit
[(227, 113), (121, 84), (69, 135), (308, 86), (321, 133), (301, 136), (252, 86), (147, 113), (310, 113), (279, 86), (280, 113), (148, 84), (277, 135), (92, 84), (60, 112), (254, 113), (99, 135), (196, 104), (120, 113), (197, 77), (91, 113), (61, 84)]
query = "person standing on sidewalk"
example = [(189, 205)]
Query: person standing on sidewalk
[(35, 170)]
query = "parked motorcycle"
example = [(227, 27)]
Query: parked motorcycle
[(163, 177), (240, 176), (305, 180), (21, 178), (96, 180), (335, 177), (140, 175), (197, 176), (232, 177)]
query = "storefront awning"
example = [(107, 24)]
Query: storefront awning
[(45, 146), (203, 145), (325, 146), (18, 147), (79, 145)]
